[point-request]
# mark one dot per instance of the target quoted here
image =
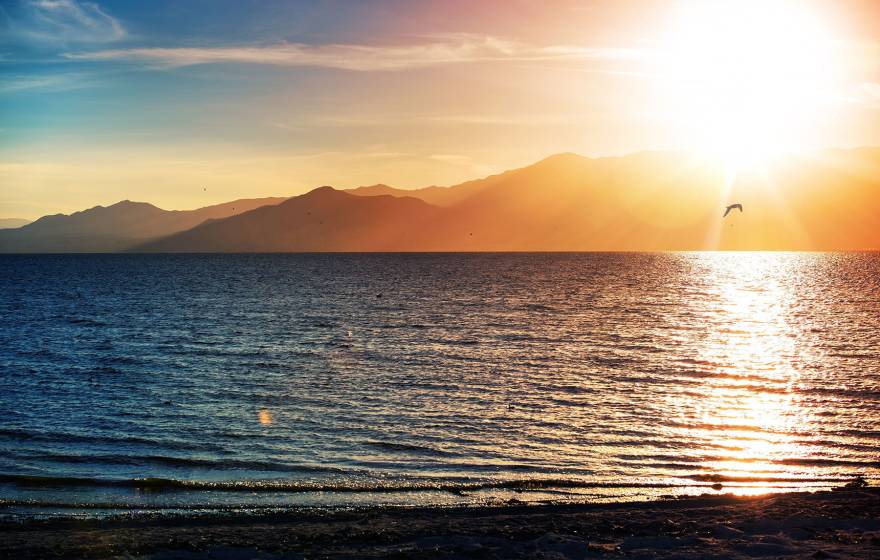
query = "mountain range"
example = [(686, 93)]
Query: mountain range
[(114, 228), (648, 201)]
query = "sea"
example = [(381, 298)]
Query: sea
[(186, 384)]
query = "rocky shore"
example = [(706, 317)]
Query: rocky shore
[(840, 524)]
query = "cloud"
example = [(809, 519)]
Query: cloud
[(385, 120), (517, 119), (454, 159), (52, 82), (64, 21), (436, 51)]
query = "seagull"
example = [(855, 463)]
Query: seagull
[(732, 207)]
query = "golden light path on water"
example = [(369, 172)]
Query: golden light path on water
[(749, 409), (748, 420)]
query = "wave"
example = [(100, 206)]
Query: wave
[(537, 307), (866, 393), (693, 463), (37, 481), (183, 462), (132, 506), (766, 479), (821, 462), (373, 487), (716, 427), (66, 437), (86, 322), (406, 447)]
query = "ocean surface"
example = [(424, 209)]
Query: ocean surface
[(189, 383)]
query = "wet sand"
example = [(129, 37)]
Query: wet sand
[(839, 524)]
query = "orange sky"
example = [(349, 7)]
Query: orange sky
[(108, 101)]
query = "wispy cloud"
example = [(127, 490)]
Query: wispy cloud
[(454, 159), (518, 119), (52, 82), (434, 52), (64, 21), (387, 120)]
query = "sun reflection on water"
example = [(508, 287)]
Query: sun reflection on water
[(748, 408)]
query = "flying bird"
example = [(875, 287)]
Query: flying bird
[(732, 207)]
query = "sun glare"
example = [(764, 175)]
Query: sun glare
[(746, 79)]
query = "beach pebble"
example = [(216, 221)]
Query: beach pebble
[(655, 543), (757, 549), (607, 548), (799, 534), (775, 539), (560, 546), (220, 553), (725, 532)]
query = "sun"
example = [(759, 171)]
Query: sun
[(745, 80)]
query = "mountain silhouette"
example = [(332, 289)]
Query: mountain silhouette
[(828, 200), (438, 196), (113, 228), (650, 201), (324, 219)]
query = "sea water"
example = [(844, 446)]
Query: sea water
[(203, 382)]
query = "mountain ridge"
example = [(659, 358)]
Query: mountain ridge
[(323, 219), (648, 201), (115, 227)]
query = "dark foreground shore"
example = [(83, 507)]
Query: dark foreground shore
[(839, 524)]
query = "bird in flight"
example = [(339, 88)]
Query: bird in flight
[(732, 207)]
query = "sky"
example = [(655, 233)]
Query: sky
[(185, 104)]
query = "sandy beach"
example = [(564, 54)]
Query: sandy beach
[(839, 524)]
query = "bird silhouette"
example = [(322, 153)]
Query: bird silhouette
[(732, 207)]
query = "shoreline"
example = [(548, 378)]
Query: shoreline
[(843, 523)]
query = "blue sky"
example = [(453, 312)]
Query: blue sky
[(107, 100)]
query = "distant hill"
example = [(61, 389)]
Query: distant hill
[(646, 201), (438, 196), (673, 201), (324, 219), (651, 201), (449, 196), (12, 223), (114, 228)]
